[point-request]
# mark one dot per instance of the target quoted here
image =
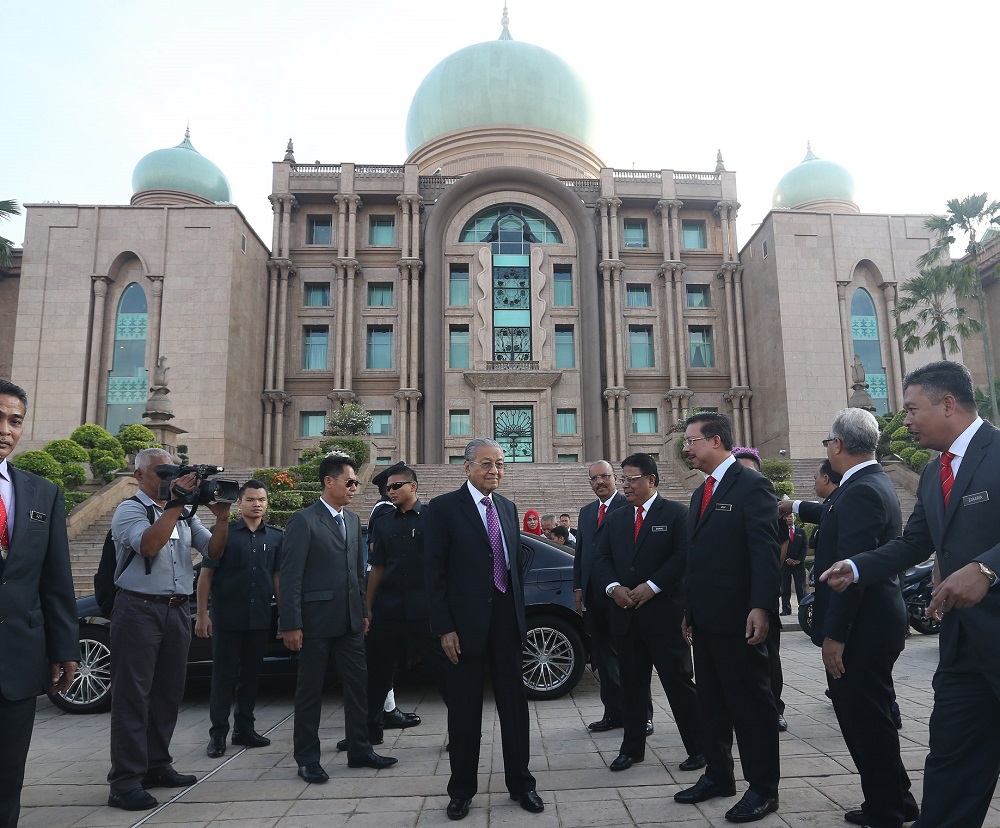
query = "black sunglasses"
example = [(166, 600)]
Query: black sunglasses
[(393, 487)]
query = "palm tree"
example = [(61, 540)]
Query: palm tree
[(7, 209), (934, 295), (968, 215)]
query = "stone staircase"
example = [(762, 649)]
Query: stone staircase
[(85, 551)]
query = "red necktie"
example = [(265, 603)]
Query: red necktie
[(600, 514), (791, 533), (947, 478), (706, 495), (638, 524), (4, 537)]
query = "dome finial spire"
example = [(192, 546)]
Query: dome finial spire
[(719, 164), (187, 132), (505, 22), (810, 155)]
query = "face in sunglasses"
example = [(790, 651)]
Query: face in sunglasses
[(402, 493), (395, 487), (338, 491)]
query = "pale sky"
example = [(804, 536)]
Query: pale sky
[(896, 92)]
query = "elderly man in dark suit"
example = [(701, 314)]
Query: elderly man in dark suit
[(323, 616), (956, 514), (39, 636), (640, 559), (473, 572), (732, 585)]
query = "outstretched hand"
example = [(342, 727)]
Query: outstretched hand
[(839, 576)]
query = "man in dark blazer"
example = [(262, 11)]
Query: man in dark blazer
[(793, 567), (732, 585), (39, 636), (640, 560), (956, 514), (323, 616), (473, 570), (862, 631)]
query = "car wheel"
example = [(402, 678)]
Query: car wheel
[(552, 659), (806, 617), (90, 691)]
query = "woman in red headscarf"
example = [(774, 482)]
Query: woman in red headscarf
[(532, 522)]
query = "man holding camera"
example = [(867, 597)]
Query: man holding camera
[(151, 627)]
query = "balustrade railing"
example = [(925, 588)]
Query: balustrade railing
[(515, 365), (316, 169)]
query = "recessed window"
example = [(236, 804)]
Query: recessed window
[(381, 424), (456, 459), (383, 461), (316, 295), (763, 248), (568, 458), (565, 347), (459, 423), (701, 346), (379, 352), (319, 230), (699, 296), (565, 421), (243, 243), (638, 296), (693, 235), (644, 421), (562, 277), (458, 285), (380, 295), (636, 234), (315, 345), (381, 231), (640, 346), (311, 423), (458, 346)]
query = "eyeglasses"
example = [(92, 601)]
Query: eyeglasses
[(395, 487), (623, 480), (595, 477), (486, 465), (689, 440), (828, 440), (351, 483)]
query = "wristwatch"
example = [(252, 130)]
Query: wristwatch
[(611, 589), (991, 576)]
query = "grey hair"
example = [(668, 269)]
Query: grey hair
[(144, 458), (544, 518), (474, 445), (857, 431)]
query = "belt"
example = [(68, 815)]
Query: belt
[(169, 600)]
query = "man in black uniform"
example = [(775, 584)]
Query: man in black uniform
[(241, 583)]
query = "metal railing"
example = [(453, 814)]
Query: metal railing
[(506, 365)]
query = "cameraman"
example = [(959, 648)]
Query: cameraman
[(151, 630)]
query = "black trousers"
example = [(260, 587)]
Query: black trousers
[(789, 574), (465, 709), (773, 645), (17, 718), (603, 652), (236, 661)]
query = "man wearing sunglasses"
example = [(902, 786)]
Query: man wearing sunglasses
[(324, 616)]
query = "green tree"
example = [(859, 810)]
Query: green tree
[(8, 208), (351, 419), (933, 298), (969, 216)]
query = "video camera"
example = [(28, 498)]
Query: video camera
[(205, 492)]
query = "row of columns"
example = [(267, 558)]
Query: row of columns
[(738, 396), (408, 396)]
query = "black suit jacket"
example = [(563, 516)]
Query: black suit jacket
[(587, 537), (860, 514), (964, 533), (732, 562), (459, 566), (659, 555), (797, 549), (37, 601), (322, 575)]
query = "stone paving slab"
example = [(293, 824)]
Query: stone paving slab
[(65, 781)]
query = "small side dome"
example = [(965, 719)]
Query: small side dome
[(181, 169), (816, 184)]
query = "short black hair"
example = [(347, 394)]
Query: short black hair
[(253, 484), (714, 424), (404, 471), (9, 389), (832, 474), (333, 465), (561, 531), (564, 515), (937, 379), (644, 463)]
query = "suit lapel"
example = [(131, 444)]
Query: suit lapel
[(647, 521), (24, 497), (330, 524), (721, 487), (974, 455), (470, 508)]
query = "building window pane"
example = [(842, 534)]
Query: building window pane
[(317, 295), (380, 347), (458, 346), (568, 458), (383, 461), (311, 423), (644, 421), (640, 346), (458, 285), (456, 459), (459, 424), (638, 296), (319, 231), (699, 296), (381, 231), (315, 343), (565, 350), (701, 346), (693, 233), (563, 279), (635, 233), (380, 295), (381, 424), (566, 421), (479, 227)]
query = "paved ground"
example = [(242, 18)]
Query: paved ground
[(259, 788)]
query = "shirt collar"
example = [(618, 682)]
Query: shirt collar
[(4, 471), (647, 504), (607, 502), (476, 494), (961, 445), (855, 469), (722, 468), (333, 511)]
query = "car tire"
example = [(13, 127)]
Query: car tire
[(90, 691), (552, 658), (806, 617)]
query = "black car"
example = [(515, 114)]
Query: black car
[(555, 652)]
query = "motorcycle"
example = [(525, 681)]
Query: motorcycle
[(918, 583)]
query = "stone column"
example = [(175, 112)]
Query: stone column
[(734, 401), (404, 225), (276, 229), (846, 335), (682, 354), (741, 337), (279, 367), (265, 399), (404, 320), (413, 339), (623, 423), (618, 317), (272, 320), (611, 398), (726, 274), (339, 315), (415, 205), (722, 211), (609, 327), (100, 284), (352, 271), (155, 313), (353, 205), (668, 293), (747, 432), (663, 208), (734, 209), (286, 225), (889, 291), (602, 208), (280, 401), (675, 224), (414, 398), (615, 204), (341, 202)]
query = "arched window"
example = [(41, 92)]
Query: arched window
[(128, 383), (864, 330), (491, 224)]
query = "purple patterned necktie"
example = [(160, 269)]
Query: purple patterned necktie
[(493, 530)]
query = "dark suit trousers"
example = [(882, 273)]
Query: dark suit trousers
[(17, 718), (348, 653), (465, 710), (236, 660), (789, 574), (773, 645), (734, 691), (149, 646), (603, 652)]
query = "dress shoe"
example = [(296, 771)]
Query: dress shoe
[(704, 789), (458, 808), (603, 725), (136, 799), (216, 747), (752, 807), (530, 801), (911, 813), (373, 739), (782, 724), (372, 760), (898, 721), (649, 727), (397, 719), (624, 762), (785, 612), (695, 761), (167, 777), (314, 773), (251, 738)]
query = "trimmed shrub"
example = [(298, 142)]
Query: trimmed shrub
[(73, 499), (279, 518), (111, 444), (908, 453), (309, 497), (41, 463), (104, 464), (134, 438), (784, 488), (88, 434), (919, 459), (350, 419), (74, 475), (776, 470), (896, 446), (66, 451), (285, 501), (276, 480), (900, 434)]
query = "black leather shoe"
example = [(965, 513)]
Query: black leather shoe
[(396, 719), (898, 721), (782, 724), (704, 789), (167, 777), (695, 761), (603, 725), (314, 773), (752, 807), (649, 727), (624, 762), (136, 799), (785, 612), (216, 747), (372, 739), (911, 813), (458, 808), (530, 801), (251, 739), (372, 760)]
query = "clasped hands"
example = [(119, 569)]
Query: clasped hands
[(632, 598)]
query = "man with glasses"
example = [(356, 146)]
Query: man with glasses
[(324, 616)]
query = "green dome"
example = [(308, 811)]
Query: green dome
[(500, 82), (813, 180), (183, 169)]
